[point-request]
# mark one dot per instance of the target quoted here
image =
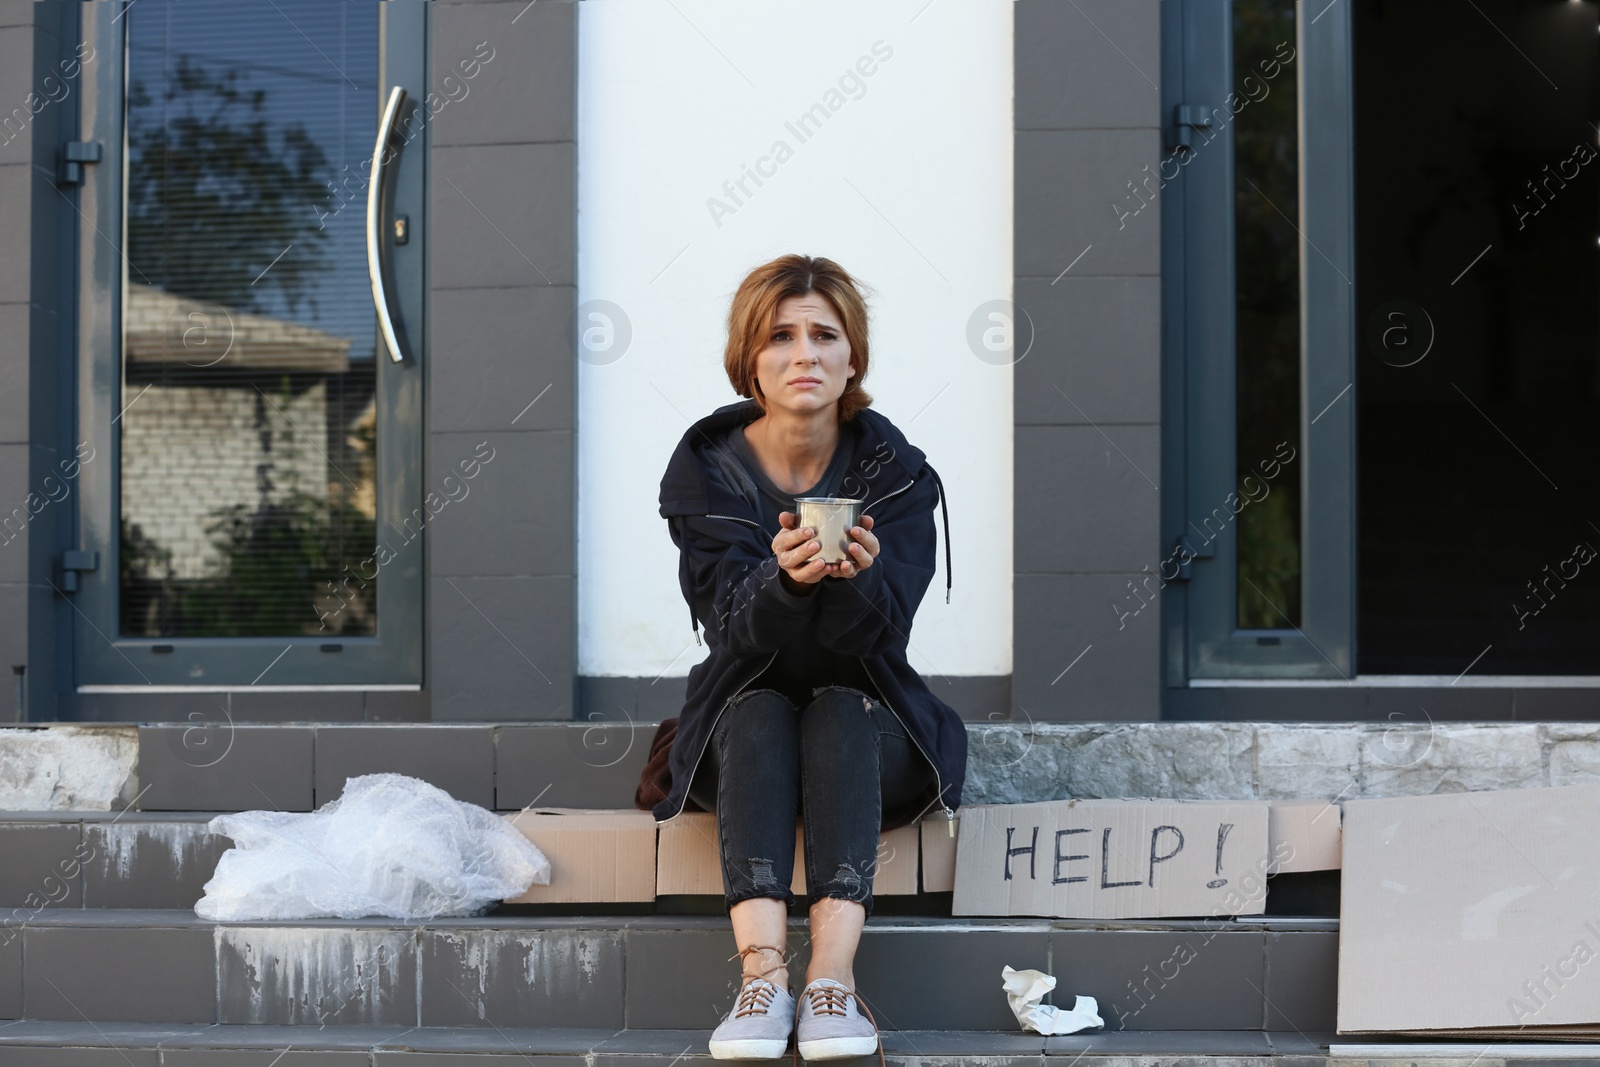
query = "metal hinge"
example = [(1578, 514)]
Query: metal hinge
[(1187, 117), (74, 562), (1186, 565), (74, 154)]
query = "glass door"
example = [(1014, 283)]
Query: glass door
[(1260, 294), (249, 367)]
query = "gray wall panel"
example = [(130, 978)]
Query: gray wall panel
[(14, 373), (1091, 63), (518, 339), (16, 76), (1087, 262), (16, 12), (1074, 187), (1084, 503), (16, 177), (15, 517), (503, 648), (527, 89), (504, 214), (516, 516), (1096, 351), (1079, 659), (14, 602), (502, 611)]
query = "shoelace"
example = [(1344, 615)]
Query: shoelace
[(755, 1000), (782, 962), (833, 1003), (832, 1000)]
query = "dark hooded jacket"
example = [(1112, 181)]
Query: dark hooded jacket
[(731, 581)]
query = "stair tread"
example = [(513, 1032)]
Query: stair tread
[(548, 1041), (186, 917)]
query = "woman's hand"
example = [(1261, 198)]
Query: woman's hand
[(797, 550), (863, 550)]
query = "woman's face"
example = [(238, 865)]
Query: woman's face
[(806, 363)]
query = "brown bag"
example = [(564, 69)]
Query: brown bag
[(655, 781)]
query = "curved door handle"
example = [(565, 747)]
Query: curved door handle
[(375, 201)]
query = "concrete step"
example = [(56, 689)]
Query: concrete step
[(123, 859), (648, 972), (140, 859), (110, 1044), (92, 1044), (223, 765)]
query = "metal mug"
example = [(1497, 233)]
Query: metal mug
[(832, 517)]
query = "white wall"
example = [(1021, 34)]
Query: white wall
[(907, 184)]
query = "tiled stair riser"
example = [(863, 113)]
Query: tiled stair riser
[(655, 972)]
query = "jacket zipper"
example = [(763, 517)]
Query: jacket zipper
[(949, 815), (707, 743), (712, 729), (938, 780), (881, 499)]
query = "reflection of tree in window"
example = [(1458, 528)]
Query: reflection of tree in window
[(217, 189), (1267, 278), (249, 457)]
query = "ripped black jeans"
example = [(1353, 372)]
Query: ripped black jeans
[(844, 760)]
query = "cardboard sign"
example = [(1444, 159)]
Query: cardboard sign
[(939, 853), (1472, 913), (597, 856), (1112, 859), (1304, 835), (689, 859)]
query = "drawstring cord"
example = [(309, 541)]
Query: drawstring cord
[(944, 513)]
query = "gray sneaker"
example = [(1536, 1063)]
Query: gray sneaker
[(831, 1027), (758, 1025)]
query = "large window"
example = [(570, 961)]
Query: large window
[(1388, 370), (1477, 221)]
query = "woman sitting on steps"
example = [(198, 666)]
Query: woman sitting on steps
[(806, 703)]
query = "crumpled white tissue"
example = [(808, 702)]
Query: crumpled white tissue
[(1026, 991), (389, 845)]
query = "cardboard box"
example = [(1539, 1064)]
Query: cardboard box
[(1112, 859), (939, 853), (1472, 913), (1303, 835), (689, 858), (595, 855)]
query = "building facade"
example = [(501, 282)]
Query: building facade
[(343, 347)]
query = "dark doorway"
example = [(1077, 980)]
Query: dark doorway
[(1477, 208)]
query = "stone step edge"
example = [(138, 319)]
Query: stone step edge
[(546, 1041), (185, 918), (99, 768)]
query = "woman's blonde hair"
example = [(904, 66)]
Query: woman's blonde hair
[(755, 306)]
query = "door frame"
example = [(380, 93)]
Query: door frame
[(104, 661), (1202, 639)]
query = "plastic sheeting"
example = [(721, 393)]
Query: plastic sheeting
[(390, 845)]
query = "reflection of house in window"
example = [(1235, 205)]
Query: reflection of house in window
[(246, 468)]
